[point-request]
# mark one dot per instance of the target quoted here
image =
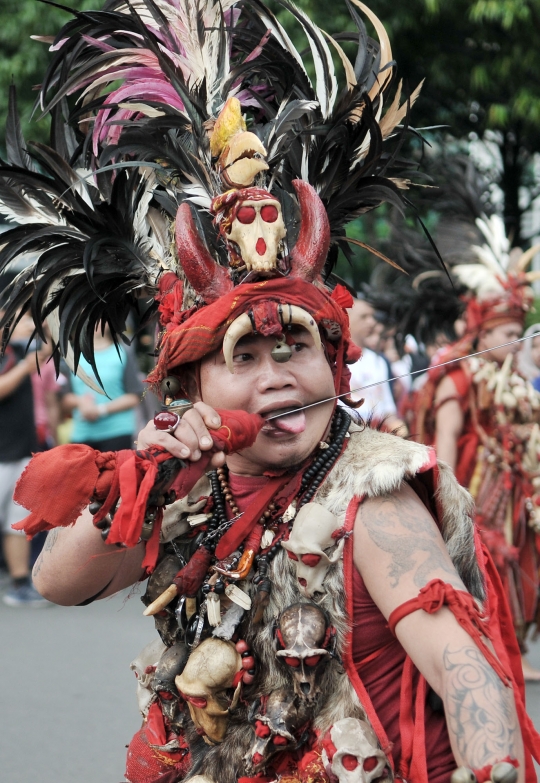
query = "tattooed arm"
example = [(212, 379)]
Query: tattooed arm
[(75, 565), (397, 550)]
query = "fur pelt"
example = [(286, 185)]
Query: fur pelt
[(377, 463)]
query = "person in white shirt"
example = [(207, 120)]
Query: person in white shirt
[(370, 369)]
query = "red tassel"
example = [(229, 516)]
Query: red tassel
[(191, 577)]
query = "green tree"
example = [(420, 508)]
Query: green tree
[(24, 60), (481, 62)]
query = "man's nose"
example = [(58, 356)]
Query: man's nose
[(274, 375)]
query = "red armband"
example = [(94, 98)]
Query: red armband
[(437, 594)]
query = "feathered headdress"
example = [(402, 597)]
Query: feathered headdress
[(192, 158), (499, 283)]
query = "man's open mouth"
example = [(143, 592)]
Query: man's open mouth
[(289, 419)]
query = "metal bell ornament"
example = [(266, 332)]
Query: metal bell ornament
[(281, 352), (170, 387)]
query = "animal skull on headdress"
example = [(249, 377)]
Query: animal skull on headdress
[(352, 754), (210, 672), (310, 539), (241, 153), (304, 635), (275, 720), (258, 229)]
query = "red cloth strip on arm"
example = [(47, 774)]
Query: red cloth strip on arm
[(437, 594)]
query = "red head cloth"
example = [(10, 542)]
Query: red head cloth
[(507, 306), (195, 333)]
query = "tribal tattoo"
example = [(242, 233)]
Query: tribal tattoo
[(479, 708), (397, 527), (50, 541)]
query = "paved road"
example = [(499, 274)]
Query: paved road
[(67, 695)]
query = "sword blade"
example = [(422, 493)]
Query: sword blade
[(405, 375)]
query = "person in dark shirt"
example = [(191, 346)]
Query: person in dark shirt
[(17, 442)]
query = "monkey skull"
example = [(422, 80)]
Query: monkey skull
[(144, 667), (352, 754), (275, 720), (308, 545), (258, 230), (304, 635), (210, 673)]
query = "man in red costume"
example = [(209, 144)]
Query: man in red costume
[(480, 414), (324, 608)]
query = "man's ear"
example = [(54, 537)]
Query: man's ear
[(191, 383)]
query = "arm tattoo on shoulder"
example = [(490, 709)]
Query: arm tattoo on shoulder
[(418, 548), (50, 541), (479, 708)]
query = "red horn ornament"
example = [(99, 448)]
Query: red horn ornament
[(309, 253), (209, 279)]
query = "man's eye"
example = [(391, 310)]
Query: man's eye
[(242, 357), (299, 346)]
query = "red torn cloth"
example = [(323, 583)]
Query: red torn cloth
[(58, 484)]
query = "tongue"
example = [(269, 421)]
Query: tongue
[(292, 422)]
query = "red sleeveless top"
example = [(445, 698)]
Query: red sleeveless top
[(379, 657)]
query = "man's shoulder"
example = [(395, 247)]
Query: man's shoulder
[(374, 463)]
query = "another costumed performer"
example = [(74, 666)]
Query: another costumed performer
[(482, 416), (324, 609)]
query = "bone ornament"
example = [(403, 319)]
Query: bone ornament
[(258, 230), (210, 672), (289, 315), (275, 719), (502, 772), (304, 636), (144, 667), (352, 754), (308, 545)]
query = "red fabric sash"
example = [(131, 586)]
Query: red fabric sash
[(58, 484)]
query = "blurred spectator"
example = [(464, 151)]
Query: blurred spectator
[(106, 423), (372, 368), (17, 442), (529, 357)]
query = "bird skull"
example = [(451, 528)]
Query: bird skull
[(304, 635), (258, 230), (351, 753), (312, 547), (204, 684)]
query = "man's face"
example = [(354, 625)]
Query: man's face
[(497, 336), (362, 321), (261, 385)]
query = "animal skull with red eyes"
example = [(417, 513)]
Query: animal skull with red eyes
[(312, 537), (275, 719), (304, 636), (258, 229), (351, 753)]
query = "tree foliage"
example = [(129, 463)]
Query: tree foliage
[(24, 60)]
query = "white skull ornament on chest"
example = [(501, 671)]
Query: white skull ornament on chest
[(312, 537), (258, 229), (351, 753), (205, 685)]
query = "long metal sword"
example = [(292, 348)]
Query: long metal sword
[(405, 375)]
